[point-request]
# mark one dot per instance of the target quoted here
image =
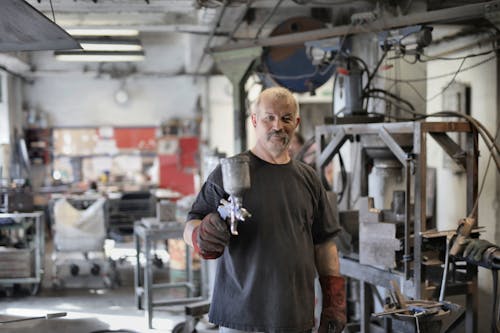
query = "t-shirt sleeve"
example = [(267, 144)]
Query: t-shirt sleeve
[(209, 197), (325, 224)]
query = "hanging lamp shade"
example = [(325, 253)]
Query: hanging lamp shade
[(23, 28)]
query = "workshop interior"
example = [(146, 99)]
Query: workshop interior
[(114, 112)]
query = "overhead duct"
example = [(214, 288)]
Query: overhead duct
[(23, 28), (235, 65)]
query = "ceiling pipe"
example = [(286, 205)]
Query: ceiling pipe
[(240, 20), (271, 13), (383, 23), (212, 33)]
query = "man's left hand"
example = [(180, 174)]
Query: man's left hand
[(333, 315)]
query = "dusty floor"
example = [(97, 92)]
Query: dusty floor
[(89, 310)]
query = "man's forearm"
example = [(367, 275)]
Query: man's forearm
[(327, 259), (188, 231), (333, 313)]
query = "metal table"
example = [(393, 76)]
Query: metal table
[(37, 244), (146, 233)]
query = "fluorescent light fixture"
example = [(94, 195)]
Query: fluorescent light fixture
[(99, 56), (103, 32), (110, 44)]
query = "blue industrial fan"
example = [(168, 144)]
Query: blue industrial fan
[(289, 65)]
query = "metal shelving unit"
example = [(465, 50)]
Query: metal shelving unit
[(29, 228)]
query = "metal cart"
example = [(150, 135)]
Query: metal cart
[(22, 261), (146, 233), (78, 258)]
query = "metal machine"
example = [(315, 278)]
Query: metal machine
[(405, 233), (392, 222)]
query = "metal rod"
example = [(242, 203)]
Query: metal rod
[(268, 18), (406, 256), (240, 20), (384, 23), (445, 270), (47, 316), (212, 33)]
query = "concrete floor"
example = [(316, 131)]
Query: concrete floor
[(89, 310)]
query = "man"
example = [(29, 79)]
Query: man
[(265, 275)]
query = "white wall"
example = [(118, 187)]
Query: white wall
[(451, 187), (10, 124), (82, 94), (83, 101), (221, 117)]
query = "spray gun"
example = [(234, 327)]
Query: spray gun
[(236, 179)]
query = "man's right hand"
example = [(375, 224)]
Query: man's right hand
[(211, 236)]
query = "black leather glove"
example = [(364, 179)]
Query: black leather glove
[(333, 315), (211, 236)]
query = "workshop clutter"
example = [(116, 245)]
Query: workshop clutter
[(79, 230), (79, 258), (15, 263)]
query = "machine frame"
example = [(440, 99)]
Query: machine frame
[(413, 278)]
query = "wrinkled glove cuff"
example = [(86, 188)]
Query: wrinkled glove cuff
[(334, 299)]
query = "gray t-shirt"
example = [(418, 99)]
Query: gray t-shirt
[(265, 278)]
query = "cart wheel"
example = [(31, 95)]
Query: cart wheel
[(35, 288), (56, 284), (9, 291), (179, 328), (108, 283)]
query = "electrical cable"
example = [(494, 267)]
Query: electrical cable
[(271, 13), (396, 97), (361, 61), (343, 175), (449, 83), (416, 91), (410, 62), (481, 129), (485, 134), (52, 9), (474, 208), (431, 58), (375, 70), (438, 76)]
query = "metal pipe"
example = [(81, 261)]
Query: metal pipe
[(212, 33), (383, 23), (445, 271), (406, 257), (240, 20), (268, 18)]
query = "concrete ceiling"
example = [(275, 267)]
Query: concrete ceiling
[(243, 20), (200, 16)]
